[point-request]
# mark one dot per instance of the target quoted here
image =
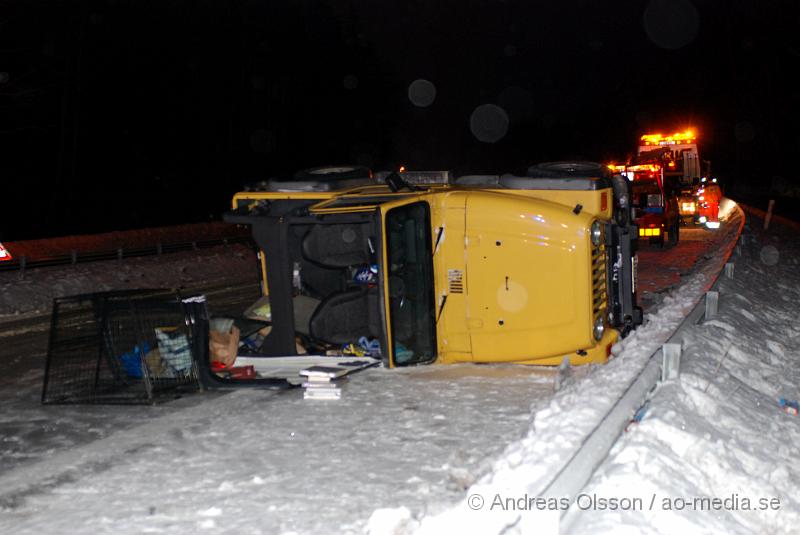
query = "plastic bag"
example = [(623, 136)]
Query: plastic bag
[(223, 347)]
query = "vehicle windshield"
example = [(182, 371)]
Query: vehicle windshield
[(646, 197), (646, 186), (411, 293)]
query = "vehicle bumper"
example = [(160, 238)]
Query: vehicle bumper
[(623, 312), (596, 355)]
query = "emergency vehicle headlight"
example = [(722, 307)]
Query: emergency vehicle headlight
[(596, 233), (599, 328), (702, 219), (712, 224)]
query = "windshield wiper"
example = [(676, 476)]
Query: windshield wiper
[(438, 239), (441, 307), (397, 182)]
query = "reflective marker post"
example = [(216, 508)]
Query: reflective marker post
[(671, 362), (769, 213), (712, 304)]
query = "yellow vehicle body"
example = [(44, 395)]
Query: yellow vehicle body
[(515, 274)]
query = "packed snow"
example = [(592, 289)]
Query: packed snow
[(273, 462), (407, 450)]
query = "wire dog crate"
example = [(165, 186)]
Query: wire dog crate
[(123, 347)]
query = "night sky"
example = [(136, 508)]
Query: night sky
[(121, 114)]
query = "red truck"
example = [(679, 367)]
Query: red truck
[(655, 209)]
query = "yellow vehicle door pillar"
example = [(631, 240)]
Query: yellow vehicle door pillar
[(449, 260)]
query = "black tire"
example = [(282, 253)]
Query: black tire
[(329, 173), (566, 169), (622, 200), (327, 178)]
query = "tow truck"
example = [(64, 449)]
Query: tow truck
[(481, 268), (681, 167), (655, 208), (678, 152)]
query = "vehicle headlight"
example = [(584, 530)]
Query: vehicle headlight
[(596, 233), (599, 328)]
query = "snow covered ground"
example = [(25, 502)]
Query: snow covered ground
[(262, 461), (404, 449), (267, 462)]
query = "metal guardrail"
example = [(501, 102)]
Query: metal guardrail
[(21, 263)]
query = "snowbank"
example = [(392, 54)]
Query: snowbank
[(715, 453)]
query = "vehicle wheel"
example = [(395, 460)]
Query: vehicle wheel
[(622, 200), (328, 178)]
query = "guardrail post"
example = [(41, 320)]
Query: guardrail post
[(769, 213), (194, 245), (562, 374), (738, 250), (73, 256), (158, 249), (729, 270), (23, 262), (712, 305), (671, 363), (119, 254)]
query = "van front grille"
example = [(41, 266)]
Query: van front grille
[(599, 292)]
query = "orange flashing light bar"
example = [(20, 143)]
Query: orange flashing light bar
[(644, 167), (677, 138)]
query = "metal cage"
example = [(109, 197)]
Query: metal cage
[(122, 347)]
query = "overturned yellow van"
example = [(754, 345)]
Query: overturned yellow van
[(482, 268)]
